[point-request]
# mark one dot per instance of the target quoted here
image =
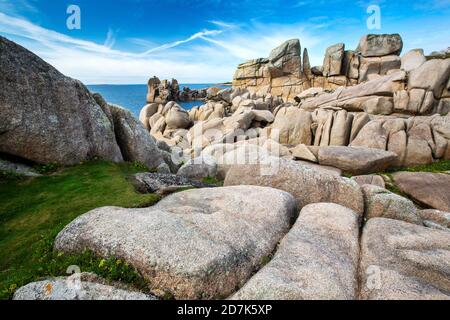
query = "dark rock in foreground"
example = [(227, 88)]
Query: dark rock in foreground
[(47, 117), (163, 183)]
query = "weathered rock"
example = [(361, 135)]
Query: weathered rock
[(418, 150), (147, 112), (302, 152), (341, 129), (199, 168), (375, 66), (413, 60), (373, 135), (356, 161), (324, 123), (403, 261), (378, 45), (440, 217), (317, 260), (78, 287), (429, 189), (431, 76), (135, 141), (359, 121), (293, 126), (306, 184), (351, 65), (287, 57), (47, 117), (177, 118), (306, 67), (197, 244), (334, 56), (370, 179), (162, 183), (18, 168), (380, 203), (379, 105)]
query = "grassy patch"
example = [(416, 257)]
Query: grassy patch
[(212, 181), (437, 167), (33, 211)]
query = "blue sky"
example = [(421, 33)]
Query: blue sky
[(199, 41)]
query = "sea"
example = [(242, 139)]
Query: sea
[(132, 97)]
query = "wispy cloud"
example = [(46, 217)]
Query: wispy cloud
[(205, 56)]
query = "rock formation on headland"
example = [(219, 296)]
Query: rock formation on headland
[(367, 98), (46, 117), (165, 91)]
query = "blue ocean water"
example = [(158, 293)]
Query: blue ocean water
[(133, 97)]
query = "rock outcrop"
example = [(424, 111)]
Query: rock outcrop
[(80, 287), (429, 189), (197, 244), (317, 260), (47, 117), (403, 261), (376, 55), (162, 92), (380, 203), (306, 184)]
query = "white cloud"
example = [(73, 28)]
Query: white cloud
[(205, 56)]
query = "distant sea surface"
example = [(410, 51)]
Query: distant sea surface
[(132, 97)]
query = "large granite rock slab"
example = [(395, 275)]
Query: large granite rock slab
[(429, 189), (47, 117), (381, 203), (403, 261), (197, 244), (78, 287), (317, 260), (136, 143), (306, 184), (356, 160)]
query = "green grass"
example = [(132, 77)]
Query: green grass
[(212, 181), (33, 211), (441, 166)]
